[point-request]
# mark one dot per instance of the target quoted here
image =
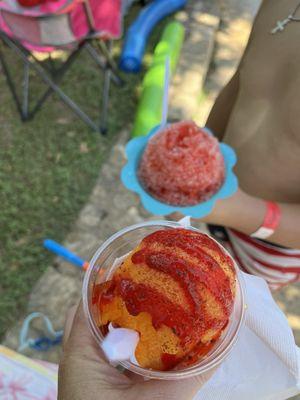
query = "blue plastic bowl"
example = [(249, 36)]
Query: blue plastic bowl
[(134, 150)]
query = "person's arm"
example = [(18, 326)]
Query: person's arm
[(220, 113), (246, 213)]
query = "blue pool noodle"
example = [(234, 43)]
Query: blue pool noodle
[(137, 35)]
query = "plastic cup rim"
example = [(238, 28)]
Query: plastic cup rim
[(172, 374)]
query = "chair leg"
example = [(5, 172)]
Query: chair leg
[(106, 51), (47, 79), (105, 96), (11, 85), (67, 100), (57, 77), (105, 101), (52, 80), (109, 74), (102, 63), (25, 104)]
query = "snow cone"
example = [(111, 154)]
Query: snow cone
[(177, 288), (182, 165)]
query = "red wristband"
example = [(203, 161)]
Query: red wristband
[(271, 221)]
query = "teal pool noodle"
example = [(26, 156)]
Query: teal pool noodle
[(149, 111)]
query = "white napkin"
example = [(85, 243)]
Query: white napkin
[(265, 362)]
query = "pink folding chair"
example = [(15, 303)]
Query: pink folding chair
[(71, 25)]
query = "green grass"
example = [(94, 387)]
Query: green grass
[(47, 170)]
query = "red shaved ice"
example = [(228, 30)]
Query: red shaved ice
[(182, 165)]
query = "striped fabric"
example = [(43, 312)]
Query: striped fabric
[(278, 266)]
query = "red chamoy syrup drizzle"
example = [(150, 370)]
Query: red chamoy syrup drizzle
[(185, 271), (182, 165), (139, 298), (169, 361), (203, 272)]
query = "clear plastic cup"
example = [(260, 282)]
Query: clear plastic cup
[(101, 268)]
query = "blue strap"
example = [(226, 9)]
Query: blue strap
[(43, 343)]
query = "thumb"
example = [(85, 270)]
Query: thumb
[(77, 336), (69, 323)]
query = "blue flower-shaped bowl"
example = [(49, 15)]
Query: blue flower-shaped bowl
[(134, 150)]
